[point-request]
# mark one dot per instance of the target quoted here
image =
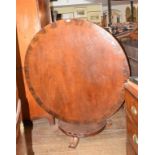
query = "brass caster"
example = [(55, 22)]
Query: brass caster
[(74, 142)]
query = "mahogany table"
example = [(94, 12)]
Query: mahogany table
[(76, 71)]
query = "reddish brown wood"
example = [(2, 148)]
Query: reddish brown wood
[(44, 12), (18, 114), (134, 34), (28, 24), (132, 88), (132, 129), (131, 100), (76, 71), (130, 150), (81, 130)]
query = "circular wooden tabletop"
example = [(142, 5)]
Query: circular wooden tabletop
[(76, 71)]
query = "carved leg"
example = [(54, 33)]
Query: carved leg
[(74, 142), (51, 120)]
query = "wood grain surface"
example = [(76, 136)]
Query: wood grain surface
[(44, 12), (29, 20), (49, 140), (76, 71)]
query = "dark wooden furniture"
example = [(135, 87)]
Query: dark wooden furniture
[(76, 71), (131, 50), (18, 114), (129, 34), (131, 106)]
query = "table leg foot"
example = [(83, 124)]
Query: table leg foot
[(74, 142)]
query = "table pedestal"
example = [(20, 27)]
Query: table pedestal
[(77, 131)]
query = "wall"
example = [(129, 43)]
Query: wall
[(74, 2), (69, 8), (89, 12)]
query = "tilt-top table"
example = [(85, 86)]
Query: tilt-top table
[(76, 71)]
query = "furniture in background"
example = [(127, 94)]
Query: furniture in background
[(18, 114), (131, 50), (131, 107)]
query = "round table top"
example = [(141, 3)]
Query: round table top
[(76, 71)]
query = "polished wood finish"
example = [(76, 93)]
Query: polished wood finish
[(81, 130), (18, 114), (44, 12), (28, 24), (132, 130), (76, 71), (130, 150), (131, 106)]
